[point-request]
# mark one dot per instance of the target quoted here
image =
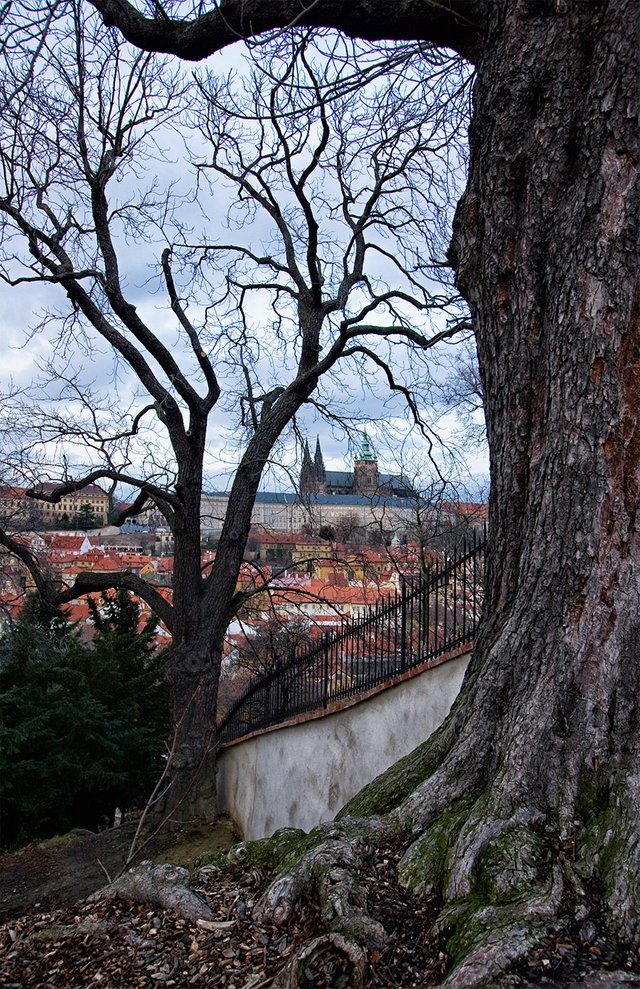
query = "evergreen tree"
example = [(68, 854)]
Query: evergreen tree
[(82, 727), (86, 518)]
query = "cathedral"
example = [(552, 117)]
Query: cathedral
[(365, 478)]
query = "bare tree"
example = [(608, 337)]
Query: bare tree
[(271, 643), (542, 748), (326, 185), (347, 527), (442, 516), (461, 392)]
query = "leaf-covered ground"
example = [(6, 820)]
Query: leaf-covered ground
[(116, 943)]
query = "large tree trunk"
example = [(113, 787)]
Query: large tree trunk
[(187, 788), (546, 249), (541, 752)]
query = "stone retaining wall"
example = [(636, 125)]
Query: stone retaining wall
[(303, 772)]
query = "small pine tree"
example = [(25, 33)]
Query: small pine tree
[(327, 532), (129, 682)]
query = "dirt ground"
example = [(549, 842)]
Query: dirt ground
[(63, 870)]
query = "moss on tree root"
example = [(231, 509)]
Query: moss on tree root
[(511, 882), (280, 852), (511, 871), (504, 884), (423, 866)]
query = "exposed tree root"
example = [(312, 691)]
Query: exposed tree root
[(487, 940), (505, 884), (492, 958), (165, 886), (331, 870), (617, 853), (506, 881), (510, 862), (341, 961)]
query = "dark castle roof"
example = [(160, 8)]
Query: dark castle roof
[(395, 482)]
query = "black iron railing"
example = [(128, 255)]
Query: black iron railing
[(429, 616)]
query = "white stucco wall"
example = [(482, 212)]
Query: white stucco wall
[(303, 774)]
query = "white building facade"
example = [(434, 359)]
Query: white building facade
[(289, 512)]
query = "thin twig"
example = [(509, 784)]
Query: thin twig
[(105, 870)]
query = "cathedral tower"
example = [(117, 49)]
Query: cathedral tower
[(307, 471), (365, 469)]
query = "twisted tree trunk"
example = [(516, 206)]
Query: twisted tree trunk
[(187, 788)]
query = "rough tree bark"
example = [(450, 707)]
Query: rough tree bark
[(545, 736), (541, 750), (546, 251)]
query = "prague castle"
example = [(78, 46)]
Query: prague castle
[(364, 496)]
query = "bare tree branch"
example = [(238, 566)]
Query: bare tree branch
[(450, 23), (55, 591), (77, 484)]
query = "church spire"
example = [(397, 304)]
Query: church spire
[(307, 471), (318, 463)]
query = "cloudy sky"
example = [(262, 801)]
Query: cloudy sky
[(361, 401)]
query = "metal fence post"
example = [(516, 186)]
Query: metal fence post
[(325, 689), (403, 624)]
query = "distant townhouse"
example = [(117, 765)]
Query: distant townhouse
[(90, 501), (18, 510)]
